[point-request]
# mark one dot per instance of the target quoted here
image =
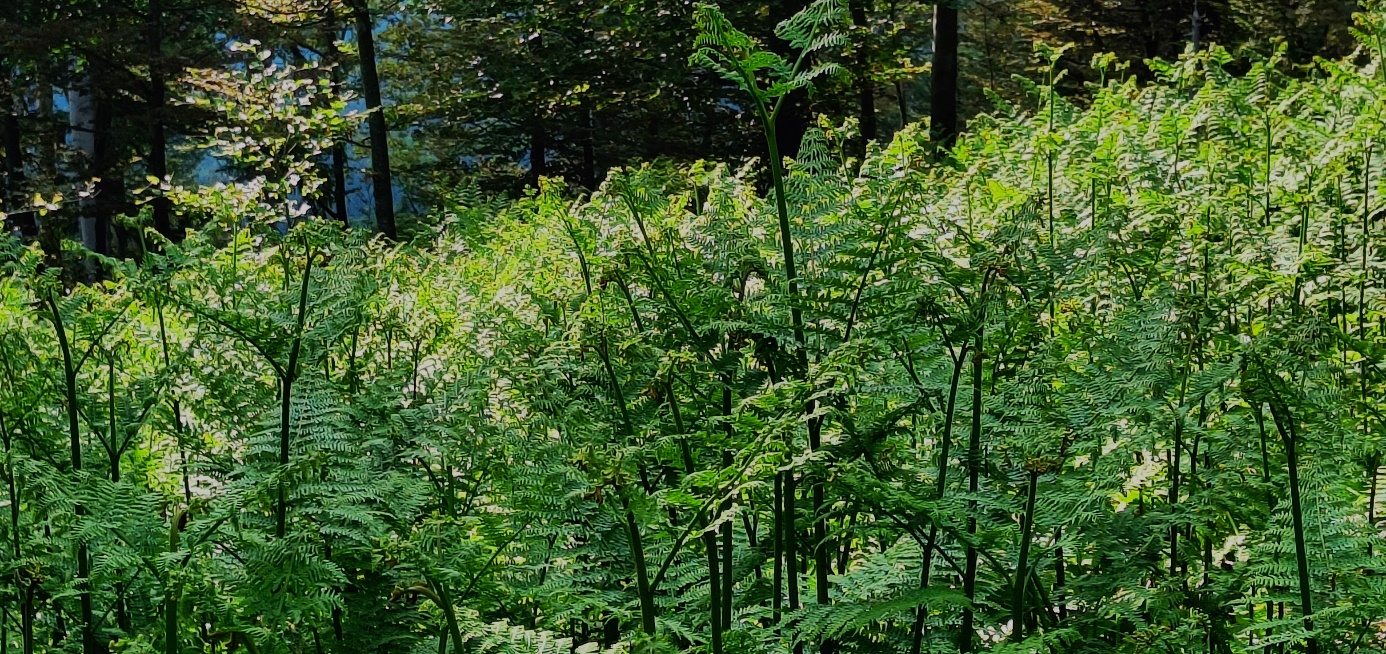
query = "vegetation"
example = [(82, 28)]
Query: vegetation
[(1099, 373)]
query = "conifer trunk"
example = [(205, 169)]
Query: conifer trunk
[(11, 199), (943, 94), (82, 125), (381, 185), (866, 92), (538, 150), (158, 145)]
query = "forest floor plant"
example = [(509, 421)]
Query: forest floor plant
[(658, 417)]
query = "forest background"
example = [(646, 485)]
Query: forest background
[(498, 94)]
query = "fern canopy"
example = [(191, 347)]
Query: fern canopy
[(1105, 380)]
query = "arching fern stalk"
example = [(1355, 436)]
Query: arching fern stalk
[(769, 80)]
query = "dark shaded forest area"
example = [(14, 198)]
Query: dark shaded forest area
[(579, 326)]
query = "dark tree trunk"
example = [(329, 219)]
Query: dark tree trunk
[(13, 143), (339, 190), (81, 112), (899, 85), (795, 117), (538, 147), (10, 191), (589, 154), (866, 91), (793, 124), (110, 191), (943, 95), (381, 186), (89, 123), (339, 154), (158, 145), (51, 226)]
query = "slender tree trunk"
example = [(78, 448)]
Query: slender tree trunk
[(538, 149), (82, 124), (1196, 25), (50, 134), (943, 95), (899, 84), (381, 186), (51, 226), (13, 107), (339, 153), (158, 145), (866, 91), (110, 190), (13, 141), (589, 153)]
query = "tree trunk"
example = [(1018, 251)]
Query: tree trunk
[(381, 186), (158, 145), (589, 154), (81, 121), (339, 190), (339, 155), (82, 124), (899, 85), (13, 143), (866, 91), (11, 196), (943, 95), (52, 226), (538, 145), (795, 118), (110, 189)]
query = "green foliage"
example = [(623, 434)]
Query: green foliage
[(621, 423)]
